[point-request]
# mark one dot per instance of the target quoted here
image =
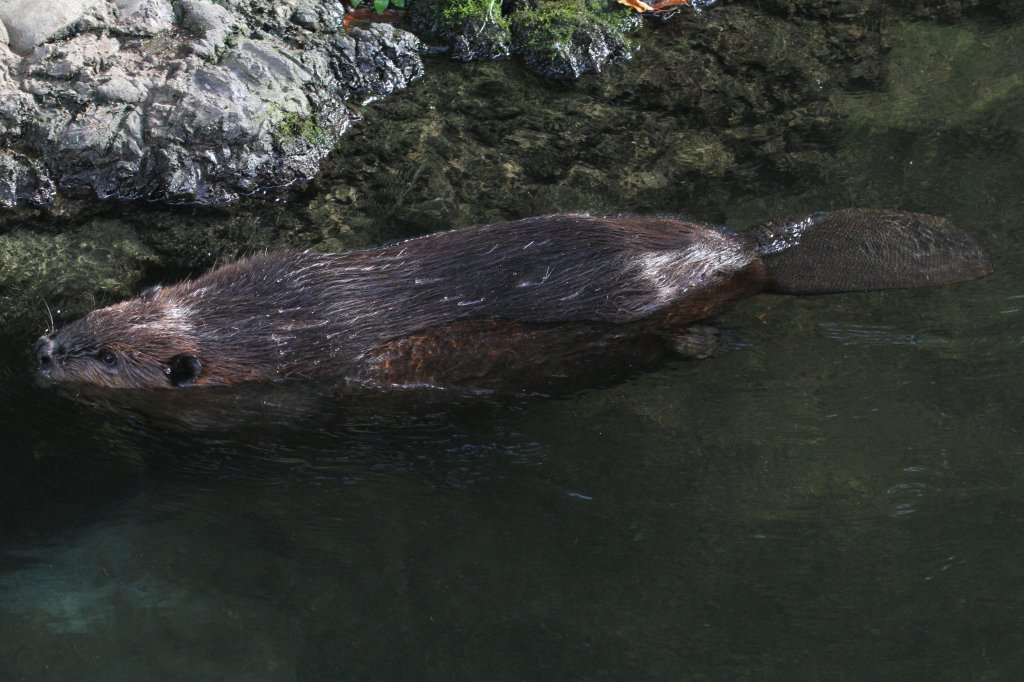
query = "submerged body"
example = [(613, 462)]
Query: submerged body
[(496, 305)]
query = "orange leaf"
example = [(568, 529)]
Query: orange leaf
[(638, 5), (663, 5)]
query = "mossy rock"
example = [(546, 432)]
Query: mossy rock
[(558, 39), (567, 40)]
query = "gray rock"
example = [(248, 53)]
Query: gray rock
[(23, 180), (7, 60), (210, 23), (16, 109), (116, 85), (144, 17), (307, 16), (32, 22), (377, 60), (4, 38), (129, 108)]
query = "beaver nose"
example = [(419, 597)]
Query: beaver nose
[(44, 352)]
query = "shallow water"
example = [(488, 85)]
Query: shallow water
[(835, 496)]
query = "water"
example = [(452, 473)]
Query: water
[(835, 496)]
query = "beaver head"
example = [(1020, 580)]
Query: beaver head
[(146, 342)]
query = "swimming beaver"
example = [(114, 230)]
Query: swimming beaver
[(490, 305)]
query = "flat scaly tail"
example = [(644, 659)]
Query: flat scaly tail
[(864, 249)]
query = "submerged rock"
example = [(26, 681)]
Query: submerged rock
[(184, 101)]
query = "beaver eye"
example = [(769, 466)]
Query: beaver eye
[(107, 358)]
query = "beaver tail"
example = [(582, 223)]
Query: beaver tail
[(864, 249)]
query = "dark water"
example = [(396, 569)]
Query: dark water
[(838, 496)]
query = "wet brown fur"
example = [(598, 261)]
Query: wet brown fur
[(541, 293), (542, 297)]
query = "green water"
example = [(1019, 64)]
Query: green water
[(837, 496)]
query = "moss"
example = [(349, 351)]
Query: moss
[(559, 38), (557, 19), (554, 18), (294, 125), (566, 39), (455, 12), (550, 26)]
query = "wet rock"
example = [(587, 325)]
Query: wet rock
[(481, 37), (23, 179), (744, 101), (569, 50), (560, 39), (471, 31), (377, 60), (190, 101)]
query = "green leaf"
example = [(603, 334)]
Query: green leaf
[(380, 5), (356, 3), (400, 4)]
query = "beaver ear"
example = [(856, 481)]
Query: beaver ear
[(183, 369)]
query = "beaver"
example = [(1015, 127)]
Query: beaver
[(547, 296)]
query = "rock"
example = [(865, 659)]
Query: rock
[(23, 180), (144, 17), (307, 16), (583, 48), (377, 60), (560, 39), (134, 100), (210, 23), (482, 38), (32, 22), (4, 38), (116, 85)]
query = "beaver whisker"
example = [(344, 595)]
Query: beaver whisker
[(53, 326)]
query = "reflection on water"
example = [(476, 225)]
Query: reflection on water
[(836, 494), (876, 334)]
